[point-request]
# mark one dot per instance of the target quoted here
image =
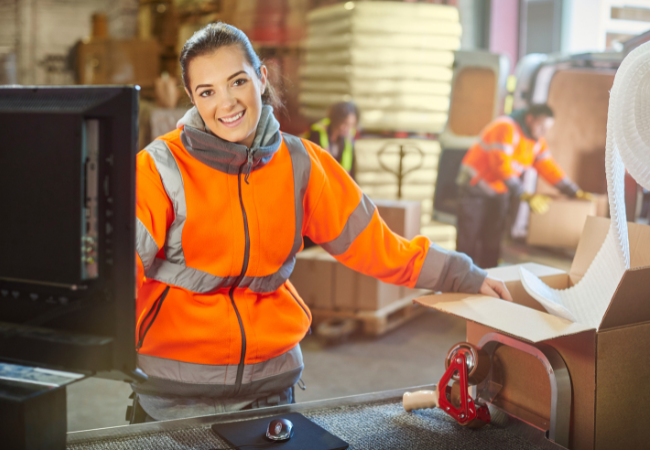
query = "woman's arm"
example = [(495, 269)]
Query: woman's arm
[(154, 214), (345, 222)]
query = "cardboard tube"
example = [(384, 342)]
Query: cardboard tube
[(420, 400)]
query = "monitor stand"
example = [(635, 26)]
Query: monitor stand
[(33, 412)]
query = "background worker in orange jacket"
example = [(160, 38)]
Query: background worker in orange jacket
[(490, 175), (223, 204), (336, 133)]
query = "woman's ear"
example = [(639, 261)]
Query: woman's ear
[(263, 79), (189, 95)]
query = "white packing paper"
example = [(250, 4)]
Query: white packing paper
[(628, 147)]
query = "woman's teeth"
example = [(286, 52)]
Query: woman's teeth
[(233, 118)]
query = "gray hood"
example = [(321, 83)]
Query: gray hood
[(226, 156)]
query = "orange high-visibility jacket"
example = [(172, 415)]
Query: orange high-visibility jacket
[(216, 314), (499, 158)]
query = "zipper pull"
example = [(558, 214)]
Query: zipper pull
[(249, 165)]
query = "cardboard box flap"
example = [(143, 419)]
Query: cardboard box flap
[(593, 236), (510, 318), (631, 301)]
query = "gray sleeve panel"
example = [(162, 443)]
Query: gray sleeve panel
[(447, 271), (301, 164), (145, 245), (357, 222), (172, 181), (567, 187)]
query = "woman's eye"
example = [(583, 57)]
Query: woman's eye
[(239, 82), (206, 93)]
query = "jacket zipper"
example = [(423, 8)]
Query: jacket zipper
[(247, 243), (156, 307)]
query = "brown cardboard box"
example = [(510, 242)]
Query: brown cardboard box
[(324, 283), (112, 61), (562, 225), (355, 291), (402, 216), (313, 277), (609, 366)]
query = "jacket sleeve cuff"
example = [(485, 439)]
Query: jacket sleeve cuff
[(447, 271)]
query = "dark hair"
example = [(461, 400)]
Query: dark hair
[(210, 39), (541, 109), (340, 111)]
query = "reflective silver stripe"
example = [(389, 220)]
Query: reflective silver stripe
[(172, 180), (270, 283), (433, 268), (145, 244), (301, 164), (516, 165), (507, 148), (174, 270), (357, 222), (191, 373), (187, 277), (543, 156)]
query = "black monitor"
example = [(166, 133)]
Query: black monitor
[(67, 217)]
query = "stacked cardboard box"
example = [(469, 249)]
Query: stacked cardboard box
[(325, 284), (119, 61), (378, 163), (393, 59)]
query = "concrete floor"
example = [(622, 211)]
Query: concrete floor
[(411, 355)]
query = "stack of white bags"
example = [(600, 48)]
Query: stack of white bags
[(394, 60)]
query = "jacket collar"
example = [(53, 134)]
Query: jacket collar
[(226, 156)]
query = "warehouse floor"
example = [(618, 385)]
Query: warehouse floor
[(411, 355)]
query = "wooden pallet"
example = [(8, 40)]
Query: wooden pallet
[(376, 323)]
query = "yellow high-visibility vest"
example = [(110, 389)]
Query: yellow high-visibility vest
[(347, 156)]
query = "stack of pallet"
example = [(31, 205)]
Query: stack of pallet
[(333, 291), (393, 59)]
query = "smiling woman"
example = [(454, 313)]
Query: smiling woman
[(226, 81), (223, 205)]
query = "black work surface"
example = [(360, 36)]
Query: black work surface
[(306, 434), (376, 425)]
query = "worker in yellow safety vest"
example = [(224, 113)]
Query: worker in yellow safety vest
[(336, 133)]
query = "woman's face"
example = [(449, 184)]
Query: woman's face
[(227, 93)]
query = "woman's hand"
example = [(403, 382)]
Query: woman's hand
[(495, 288)]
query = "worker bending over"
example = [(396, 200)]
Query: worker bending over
[(490, 175), (223, 204), (336, 134)]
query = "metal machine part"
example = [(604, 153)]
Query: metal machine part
[(455, 399), (468, 365), (558, 376)]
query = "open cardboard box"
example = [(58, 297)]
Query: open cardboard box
[(562, 225), (609, 366)]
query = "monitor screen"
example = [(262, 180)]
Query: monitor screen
[(67, 258)]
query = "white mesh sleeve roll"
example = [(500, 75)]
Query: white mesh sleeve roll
[(628, 147)]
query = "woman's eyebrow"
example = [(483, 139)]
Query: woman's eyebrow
[(235, 74), (201, 85)]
